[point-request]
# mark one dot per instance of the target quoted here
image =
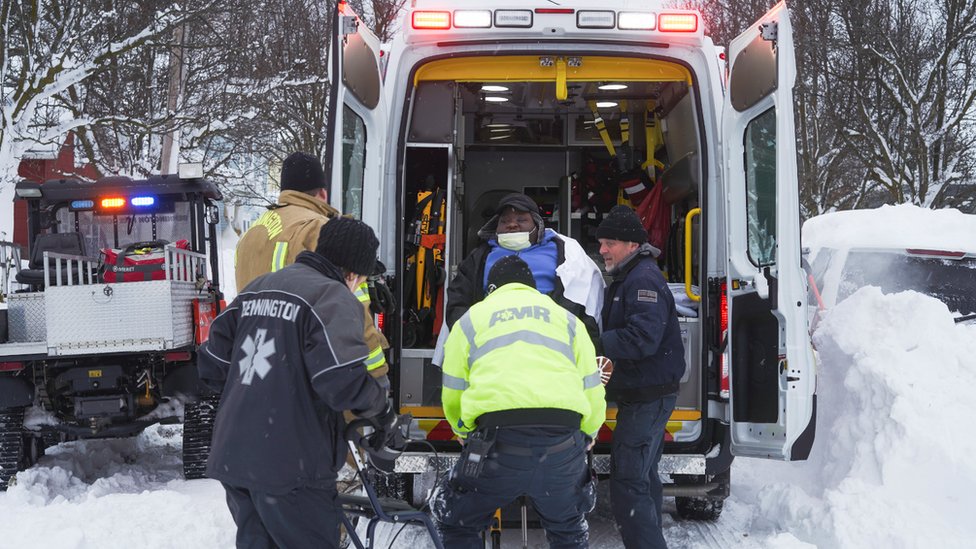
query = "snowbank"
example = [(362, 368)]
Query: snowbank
[(892, 464), (902, 226)]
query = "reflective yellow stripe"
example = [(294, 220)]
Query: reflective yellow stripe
[(375, 359), (280, 254), (362, 293)]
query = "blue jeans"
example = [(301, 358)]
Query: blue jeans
[(463, 506), (636, 494)]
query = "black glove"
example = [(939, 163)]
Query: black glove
[(386, 425)]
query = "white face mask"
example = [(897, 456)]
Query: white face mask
[(514, 241)]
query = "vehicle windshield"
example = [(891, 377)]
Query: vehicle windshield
[(953, 281), (99, 231)]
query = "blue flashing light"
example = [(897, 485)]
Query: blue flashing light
[(143, 201), (82, 204)]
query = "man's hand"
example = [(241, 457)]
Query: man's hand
[(386, 424)]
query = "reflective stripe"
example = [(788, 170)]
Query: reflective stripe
[(468, 330), (592, 380), (571, 324), (456, 383), (375, 359), (362, 293), (524, 336), (280, 254)]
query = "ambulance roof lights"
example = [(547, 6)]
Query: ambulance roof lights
[(595, 19), (636, 20), (495, 99), (613, 87), (677, 22), (606, 104), (513, 18), (431, 20), (559, 11), (494, 88), (143, 201), (472, 19), (111, 203)]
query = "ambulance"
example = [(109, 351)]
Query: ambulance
[(581, 106)]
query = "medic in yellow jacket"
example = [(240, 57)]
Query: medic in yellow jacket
[(518, 349)]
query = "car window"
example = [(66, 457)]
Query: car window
[(818, 269), (951, 281), (101, 231)]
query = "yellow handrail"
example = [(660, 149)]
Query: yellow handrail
[(691, 214)]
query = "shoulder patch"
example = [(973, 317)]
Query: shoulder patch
[(647, 296)]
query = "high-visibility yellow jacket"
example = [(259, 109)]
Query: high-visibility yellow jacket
[(519, 349), (279, 235)]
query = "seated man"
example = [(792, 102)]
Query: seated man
[(561, 268)]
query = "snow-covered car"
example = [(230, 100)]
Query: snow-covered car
[(896, 248)]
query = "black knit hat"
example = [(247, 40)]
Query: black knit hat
[(622, 224), (302, 172), (519, 202), (510, 269), (349, 244)]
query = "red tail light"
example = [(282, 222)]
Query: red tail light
[(723, 315), (555, 10), (380, 321), (11, 366), (436, 20)]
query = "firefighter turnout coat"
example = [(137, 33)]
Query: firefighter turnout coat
[(288, 356), (275, 240), (518, 349)]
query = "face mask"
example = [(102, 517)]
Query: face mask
[(514, 241)]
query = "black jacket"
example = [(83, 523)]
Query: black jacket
[(467, 288), (287, 355), (641, 333)]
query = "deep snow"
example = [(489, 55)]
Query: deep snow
[(891, 465)]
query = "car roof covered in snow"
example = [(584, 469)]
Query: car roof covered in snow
[(904, 226)]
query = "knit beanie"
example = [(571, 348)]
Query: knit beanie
[(349, 244), (302, 172), (517, 201), (622, 224), (510, 269)]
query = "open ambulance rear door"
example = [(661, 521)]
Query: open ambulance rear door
[(357, 117), (773, 376)]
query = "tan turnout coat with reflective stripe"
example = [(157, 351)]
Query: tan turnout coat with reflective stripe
[(275, 240)]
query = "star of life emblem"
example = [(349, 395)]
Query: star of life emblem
[(256, 353)]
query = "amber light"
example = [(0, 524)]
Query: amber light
[(440, 20), (677, 22), (113, 202)]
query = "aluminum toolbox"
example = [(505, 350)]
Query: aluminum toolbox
[(123, 317), (25, 317)]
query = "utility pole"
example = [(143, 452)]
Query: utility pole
[(171, 139)]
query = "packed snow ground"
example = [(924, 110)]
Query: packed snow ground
[(891, 466)]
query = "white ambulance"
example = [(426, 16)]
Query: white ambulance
[(571, 102)]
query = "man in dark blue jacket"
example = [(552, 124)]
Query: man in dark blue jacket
[(642, 338), (288, 356)]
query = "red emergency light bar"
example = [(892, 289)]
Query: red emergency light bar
[(431, 20), (567, 11), (677, 22)]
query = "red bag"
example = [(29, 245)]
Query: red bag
[(655, 215), (137, 262)]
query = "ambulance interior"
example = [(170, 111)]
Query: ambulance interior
[(471, 142)]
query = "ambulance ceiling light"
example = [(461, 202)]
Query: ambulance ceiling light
[(431, 20), (634, 20), (606, 104), (613, 87), (513, 18), (678, 22), (495, 99), (472, 19), (493, 88), (595, 19)]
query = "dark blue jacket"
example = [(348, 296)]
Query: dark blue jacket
[(641, 333), (287, 356)]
